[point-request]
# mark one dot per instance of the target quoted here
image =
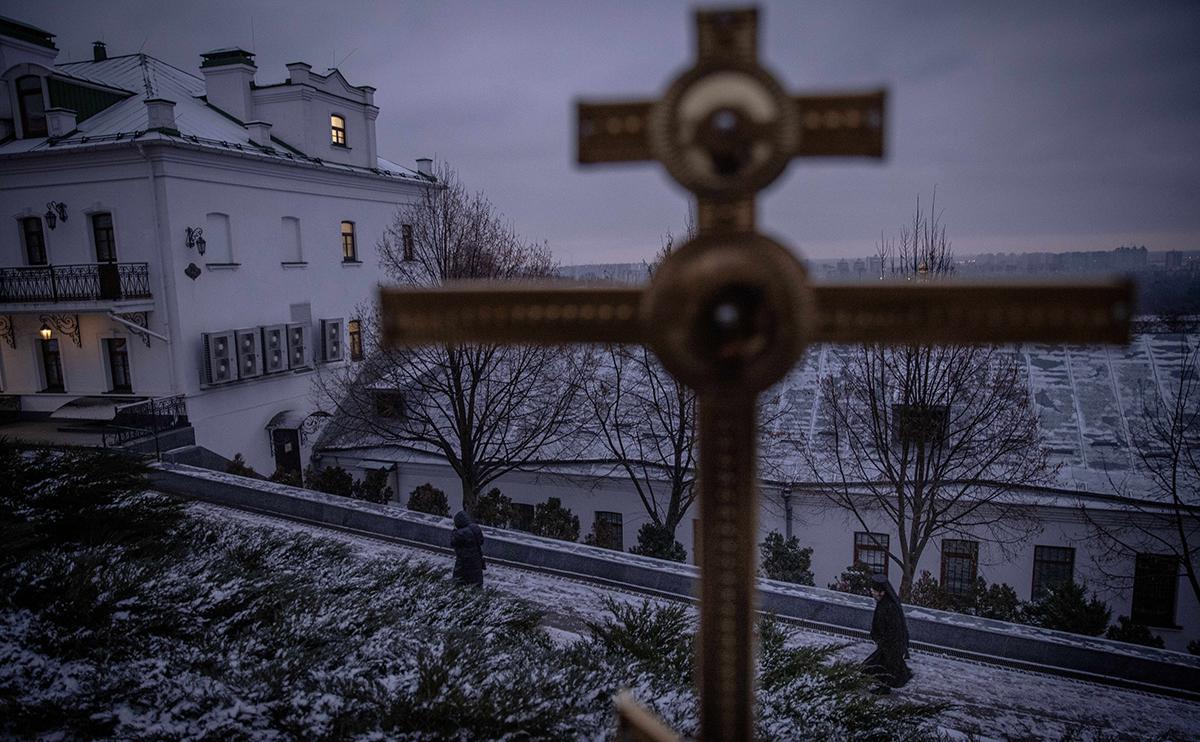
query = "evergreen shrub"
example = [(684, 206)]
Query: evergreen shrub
[(654, 540), (493, 509), (783, 559), (552, 520), (1067, 608), (373, 487), (332, 480), (429, 499), (855, 579), (1125, 630), (239, 467)]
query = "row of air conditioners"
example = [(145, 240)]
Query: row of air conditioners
[(249, 353)]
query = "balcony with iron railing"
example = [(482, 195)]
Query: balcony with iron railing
[(79, 283)]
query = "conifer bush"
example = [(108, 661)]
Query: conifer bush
[(493, 509), (854, 579), (332, 480), (552, 520), (429, 499), (1067, 608), (1125, 630), (783, 559), (373, 487), (239, 467), (290, 477), (654, 540)]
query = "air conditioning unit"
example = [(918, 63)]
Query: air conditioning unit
[(249, 352), (299, 355), (332, 346), (219, 366), (274, 348)]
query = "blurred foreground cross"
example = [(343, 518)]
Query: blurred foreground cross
[(730, 312)]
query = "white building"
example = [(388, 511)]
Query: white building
[(1085, 398), (200, 238)]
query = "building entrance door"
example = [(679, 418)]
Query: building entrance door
[(285, 444)]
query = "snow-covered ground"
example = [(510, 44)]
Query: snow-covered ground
[(986, 701)]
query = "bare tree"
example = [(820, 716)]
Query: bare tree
[(646, 421), (1162, 512), (488, 409), (930, 438)]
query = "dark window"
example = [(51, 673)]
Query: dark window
[(522, 517), (349, 251), (915, 424), (407, 236), (117, 351), (960, 564), (337, 130), (389, 403), (32, 105), (871, 549), (35, 240), (52, 366), (1053, 567), (609, 532), (355, 332), (102, 233), (1155, 580)]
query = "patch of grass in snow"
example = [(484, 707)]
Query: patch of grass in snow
[(123, 617)]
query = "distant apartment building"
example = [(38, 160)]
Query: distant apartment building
[(183, 249)]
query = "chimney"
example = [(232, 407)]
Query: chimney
[(228, 79), (425, 166), (99, 51), (160, 114), (260, 132), (298, 73), (60, 121)]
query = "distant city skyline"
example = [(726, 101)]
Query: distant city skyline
[(1043, 128)]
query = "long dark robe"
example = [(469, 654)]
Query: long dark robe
[(467, 540), (890, 632)]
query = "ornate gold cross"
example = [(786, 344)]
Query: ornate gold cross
[(731, 311)]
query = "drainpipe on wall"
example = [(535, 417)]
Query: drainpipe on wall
[(166, 270), (786, 493)]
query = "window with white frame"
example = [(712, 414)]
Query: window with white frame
[(337, 130)]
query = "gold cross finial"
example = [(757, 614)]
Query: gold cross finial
[(731, 311)]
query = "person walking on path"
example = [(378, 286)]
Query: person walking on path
[(890, 633), (467, 540)]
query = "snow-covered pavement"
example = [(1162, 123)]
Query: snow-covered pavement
[(987, 701)]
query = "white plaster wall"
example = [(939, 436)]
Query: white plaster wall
[(830, 531)]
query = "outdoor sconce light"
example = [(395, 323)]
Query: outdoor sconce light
[(45, 332), (55, 210), (195, 239)]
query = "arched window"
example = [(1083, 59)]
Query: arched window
[(32, 105), (337, 130)]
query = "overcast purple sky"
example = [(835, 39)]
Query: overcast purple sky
[(1044, 126)]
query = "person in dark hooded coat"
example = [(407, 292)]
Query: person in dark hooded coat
[(467, 540), (890, 632)]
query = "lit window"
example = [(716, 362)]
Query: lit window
[(1155, 580), (349, 251), (1053, 567), (960, 564), (337, 130), (356, 347), (35, 240), (32, 105), (871, 551)]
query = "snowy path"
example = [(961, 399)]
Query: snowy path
[(989, 701)]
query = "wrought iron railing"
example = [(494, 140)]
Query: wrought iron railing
[(147, 418), (85, 281)]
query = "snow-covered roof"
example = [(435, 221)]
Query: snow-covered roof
[(1087, 400), (141, 77)]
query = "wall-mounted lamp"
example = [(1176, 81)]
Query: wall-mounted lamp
[(195, 239), (55, 210), (45, 332)]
